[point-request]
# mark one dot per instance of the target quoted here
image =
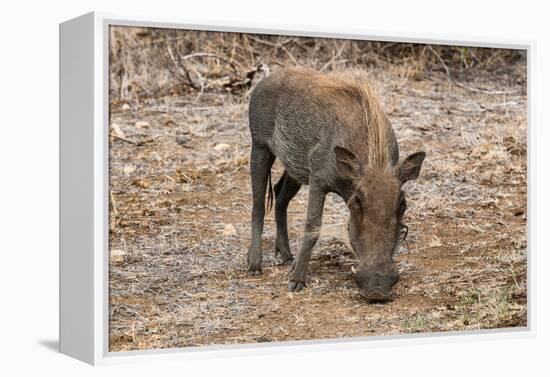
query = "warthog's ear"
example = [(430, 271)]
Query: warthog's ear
[(346, 162), (410, 168)]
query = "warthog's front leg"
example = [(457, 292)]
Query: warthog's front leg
[(316, 202)]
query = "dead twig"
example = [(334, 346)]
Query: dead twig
[(484, 91), (334, 57), (128, 207), (289, 55), (123, 139), (181, 68), (441, 61), (210, 55), (113, 203)]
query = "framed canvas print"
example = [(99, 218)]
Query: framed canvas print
[(227, 188)]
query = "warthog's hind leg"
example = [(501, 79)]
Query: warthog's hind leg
[(285, 190), (261, 160)]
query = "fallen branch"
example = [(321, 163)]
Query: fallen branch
[(181, 68)]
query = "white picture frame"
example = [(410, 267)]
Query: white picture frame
[(84, 183)]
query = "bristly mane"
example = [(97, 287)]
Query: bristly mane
[(376, 124), (348, 90)]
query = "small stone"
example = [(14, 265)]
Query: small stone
[(169, 123), (142, 183), (229, 230), (117, 131), (142, 124), (459, 155), (125, 107), (186, 187), (117, 255), (222, 147), (183, 139), (128, 169)]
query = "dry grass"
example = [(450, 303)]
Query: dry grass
[(149, 62), (181, 196)]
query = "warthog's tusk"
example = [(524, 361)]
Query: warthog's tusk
[(353, 270)]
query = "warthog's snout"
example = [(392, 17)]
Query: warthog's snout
[(376, 284)]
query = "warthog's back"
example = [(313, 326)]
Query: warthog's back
[(301, 115)]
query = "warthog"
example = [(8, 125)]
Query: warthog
[(330, 133)]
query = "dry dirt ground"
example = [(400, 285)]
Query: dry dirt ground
[(180, 210)]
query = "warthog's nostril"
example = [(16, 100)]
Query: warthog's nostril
[(376, 284)]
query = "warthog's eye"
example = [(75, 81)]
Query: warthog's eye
[(355, 203), (402, 205)]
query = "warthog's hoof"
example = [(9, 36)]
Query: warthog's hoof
[(295, 286), (255, 273), (254, 269), (286, 261), (285, 257)]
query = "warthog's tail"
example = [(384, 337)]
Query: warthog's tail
[(269, 193)]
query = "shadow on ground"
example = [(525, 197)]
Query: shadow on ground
[(50, 344)]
